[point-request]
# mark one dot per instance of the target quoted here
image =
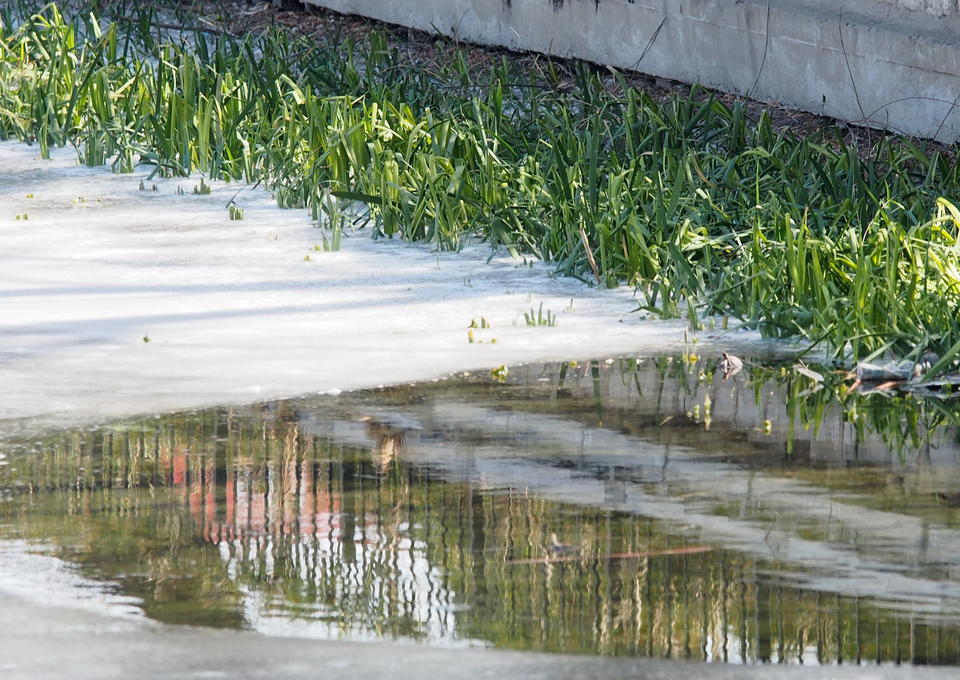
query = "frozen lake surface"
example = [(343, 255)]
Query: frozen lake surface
[(242, 311)]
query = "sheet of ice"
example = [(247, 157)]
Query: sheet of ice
[(242, 311), (29, 572)]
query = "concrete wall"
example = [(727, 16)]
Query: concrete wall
[(937, 8), (886, 63)]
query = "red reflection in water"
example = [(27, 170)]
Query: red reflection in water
[(285, 495)]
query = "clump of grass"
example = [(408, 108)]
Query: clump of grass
[(334, 220), (537, 317), (482, 324), (701, 209), (235, 211)]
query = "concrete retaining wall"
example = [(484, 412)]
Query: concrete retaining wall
[(937, 8), (886, 63)]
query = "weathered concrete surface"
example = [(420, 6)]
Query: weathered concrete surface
[(886, 63), (53, 643), (937, 8)]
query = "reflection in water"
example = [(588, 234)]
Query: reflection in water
[(626, 508)]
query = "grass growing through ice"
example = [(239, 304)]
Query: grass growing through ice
[(703, 210), (537, 317)]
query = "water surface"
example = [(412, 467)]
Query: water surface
[(631, 507)]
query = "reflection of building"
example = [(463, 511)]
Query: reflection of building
[(278, 511), (335, 527), (379, 543)]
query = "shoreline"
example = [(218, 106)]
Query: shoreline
[(119, 302)]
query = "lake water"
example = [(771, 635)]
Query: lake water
[(625, 507)]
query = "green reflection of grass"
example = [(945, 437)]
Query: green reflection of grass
[(132, 506), (220, 516)]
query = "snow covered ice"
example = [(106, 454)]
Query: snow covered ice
[(118, 301)]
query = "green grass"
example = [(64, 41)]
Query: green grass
[(537, 317), (703, 210)]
